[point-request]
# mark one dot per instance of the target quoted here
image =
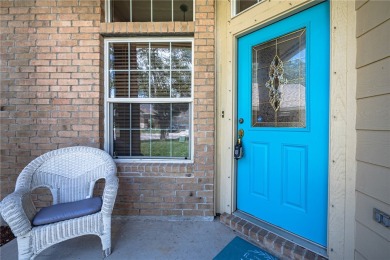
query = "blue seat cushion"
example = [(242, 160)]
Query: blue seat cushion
[(69, 210)]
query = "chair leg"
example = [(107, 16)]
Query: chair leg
[(25, 250), (107, 252), (106, 244)]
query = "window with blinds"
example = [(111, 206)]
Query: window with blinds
[(151, 10), (149, 98)]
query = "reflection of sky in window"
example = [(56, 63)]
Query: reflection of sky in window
[(299, 55)]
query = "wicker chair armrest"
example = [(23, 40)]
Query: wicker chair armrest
[(17, 209), (109, 194)]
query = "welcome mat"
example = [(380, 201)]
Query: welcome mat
[(239, 249)]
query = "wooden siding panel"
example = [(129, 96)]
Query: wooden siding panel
[(360, 3), (364, 214), (373, 113), (371, 15), (374, 45), (359, 256), (373, 147), (374, 181), (374, 79), (370, 245)]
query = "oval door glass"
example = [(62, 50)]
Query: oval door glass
[(278, 83)]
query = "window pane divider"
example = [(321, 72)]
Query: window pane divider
[(170, 69), (131, 134), (149, 66), (129, 71), (151, 11), (131, 10)]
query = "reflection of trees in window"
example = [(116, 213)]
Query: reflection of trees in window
[(166, 116), (181, 56), (151, 70), (167, 75)]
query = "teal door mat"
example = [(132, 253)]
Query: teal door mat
[(239, 249)]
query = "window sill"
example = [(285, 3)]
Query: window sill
[(147, 27), (153, 161)]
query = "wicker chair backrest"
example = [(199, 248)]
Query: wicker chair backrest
[(70, 173)]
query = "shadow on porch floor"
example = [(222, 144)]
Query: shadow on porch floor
[(142, 239)]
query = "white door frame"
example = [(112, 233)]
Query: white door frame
[(342, 146)]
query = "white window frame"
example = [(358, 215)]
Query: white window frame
[(108, 119), (109, 18)]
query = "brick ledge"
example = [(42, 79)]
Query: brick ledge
[(147, 27), (270, 242)]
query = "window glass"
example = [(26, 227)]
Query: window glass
[(162, 10), (242, 5), (151, 130), (279, 82), (120, 10), (183, 10), (181, 56), (160, 56), (141, 11), (151, 10), (139, 72)]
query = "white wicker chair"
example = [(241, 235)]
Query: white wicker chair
[(70, 174)]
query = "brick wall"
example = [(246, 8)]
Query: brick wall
[(52, 96), (50, 87)]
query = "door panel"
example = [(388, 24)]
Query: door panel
[(294, 176), (283, 99), (259, 181)]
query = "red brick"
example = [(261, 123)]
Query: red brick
[(82, 23), (18, 10), (49, 17), (68, 30)]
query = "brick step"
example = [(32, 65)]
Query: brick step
[(268, 241)]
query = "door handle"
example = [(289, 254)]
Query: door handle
[(238, 150)]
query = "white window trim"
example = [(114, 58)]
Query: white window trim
[(107, 100)]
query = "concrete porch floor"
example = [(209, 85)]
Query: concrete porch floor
[(138, 238)]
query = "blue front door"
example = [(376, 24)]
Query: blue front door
[(283, 110)]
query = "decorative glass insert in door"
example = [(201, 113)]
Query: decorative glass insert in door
[(279, 82)]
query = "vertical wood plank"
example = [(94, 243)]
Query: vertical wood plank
[(350, 166), (224, 126), (338, 105)]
